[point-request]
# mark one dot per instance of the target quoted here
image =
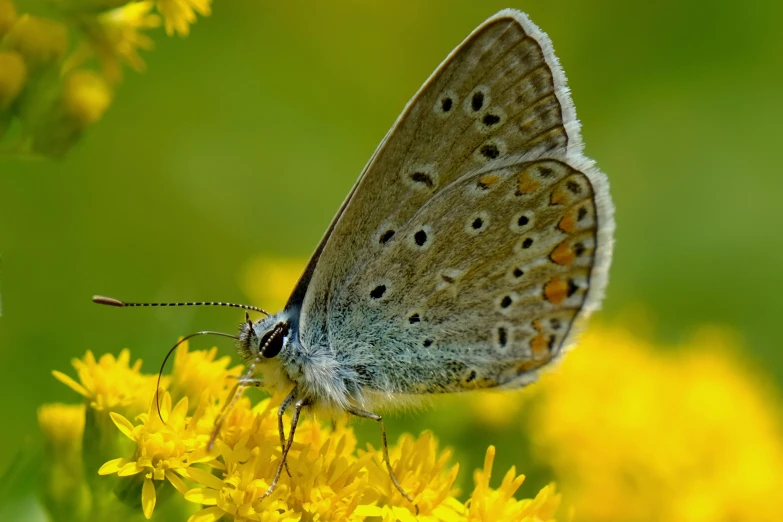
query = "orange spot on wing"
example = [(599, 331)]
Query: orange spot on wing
[(556, 290), (568, 223), (539, 346), (526, 184), (488, 180), (563, 254)]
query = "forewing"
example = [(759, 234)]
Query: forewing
[(497, 103)]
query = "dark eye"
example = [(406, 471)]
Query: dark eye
[(272, 341)]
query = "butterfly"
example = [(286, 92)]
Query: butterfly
[(476, 240)]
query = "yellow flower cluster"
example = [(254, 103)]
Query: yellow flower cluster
[(637, 431), (154, 457), (50, 89)]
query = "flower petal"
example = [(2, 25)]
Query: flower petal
[(113, 466), (177, 482), (123, 424), (148, 498), (75, 386), (131, 468), (205, 496), (202, 477), (211, 514)]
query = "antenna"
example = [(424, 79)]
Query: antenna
[(110, 301), (165, 359)]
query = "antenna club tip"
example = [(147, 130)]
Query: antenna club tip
[(110, 301)]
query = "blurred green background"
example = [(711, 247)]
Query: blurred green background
[(242, 140)]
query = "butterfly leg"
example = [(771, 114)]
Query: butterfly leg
[(290, 398), (377, 418), (298, 405)]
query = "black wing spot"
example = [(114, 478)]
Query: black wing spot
[(386, 236), (579, 249), (522, 221), (545, 172), (555, 323), (471, 376), (420, 237), (502, 336), (415, 318), (378, 291), (477, 102), (527, 243), (490, 151), (446, 104), (447, 278), (581, 213), (518, 273), (574, 187), (572, 287), (421, 177), (427, 343), (506, 302), (491, 119), (551, 343), (477, 223)]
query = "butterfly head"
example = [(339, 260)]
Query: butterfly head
[(264, 339)]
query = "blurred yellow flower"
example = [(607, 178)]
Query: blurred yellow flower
[(179, 14), (41, 41), (63, 425), (116, 36), (13, 74), (86, 96), (687, 433), (7, 16), (270, 281)]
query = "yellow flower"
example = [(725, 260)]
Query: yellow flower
[(117, 35), (63, 426), (179, 14), (7, 16), (86, 97), (660, 434), (488, 505), (237, 493), (65, 493), (13, 73), (197, 372), (164, 450), (424, 474), (41, 41), (110, 384), (269, 282)]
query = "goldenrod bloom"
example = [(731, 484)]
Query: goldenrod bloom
[(164, 450), (330, 479), (41, 41), (86, 96), (111, 384), (179, 14), (683, 433), (13, 74), (487, 504)]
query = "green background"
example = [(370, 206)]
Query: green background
[(242, 140)]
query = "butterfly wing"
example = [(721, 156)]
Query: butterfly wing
[(417, 269)]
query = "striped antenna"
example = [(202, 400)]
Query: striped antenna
[(110, 301), (165, 359)]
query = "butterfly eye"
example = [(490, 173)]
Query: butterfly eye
[(272, 341)]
